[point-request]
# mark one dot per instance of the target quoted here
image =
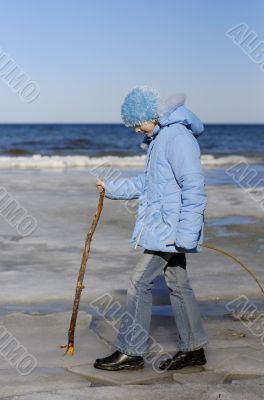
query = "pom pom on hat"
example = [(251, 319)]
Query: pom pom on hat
[(140, 105)]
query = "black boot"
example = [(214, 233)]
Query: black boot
[(184, 359), (119, 361)]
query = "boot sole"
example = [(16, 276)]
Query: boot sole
[(120, 367), (191, 364)]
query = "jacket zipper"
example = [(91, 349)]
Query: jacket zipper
[(148, 161), (139, 235), (143, 224)]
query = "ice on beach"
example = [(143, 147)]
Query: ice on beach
[(43, 267), (39, 272), (57, 376)]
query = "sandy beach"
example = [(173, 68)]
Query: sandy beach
[(38, 279)]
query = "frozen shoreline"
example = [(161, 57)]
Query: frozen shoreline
[(43, 267), (38, 275)]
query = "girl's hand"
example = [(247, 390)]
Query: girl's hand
[(100, 185)]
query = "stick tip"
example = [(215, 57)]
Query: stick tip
[(70, 350)]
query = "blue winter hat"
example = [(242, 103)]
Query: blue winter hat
[(140, 105)]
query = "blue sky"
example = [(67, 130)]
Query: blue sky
[(87, 55)]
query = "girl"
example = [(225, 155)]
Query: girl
[(170, 223)]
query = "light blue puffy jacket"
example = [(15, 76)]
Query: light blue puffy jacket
[(171, 189)]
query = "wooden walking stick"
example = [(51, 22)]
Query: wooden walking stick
[(79, 285)]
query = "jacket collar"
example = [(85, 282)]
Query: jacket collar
[(148, 139)]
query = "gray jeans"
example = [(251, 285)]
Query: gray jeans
[(133, 335)]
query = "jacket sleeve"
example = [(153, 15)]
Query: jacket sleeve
[(125, 188), (183, 154)]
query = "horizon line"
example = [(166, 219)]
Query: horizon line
[(118, 123)]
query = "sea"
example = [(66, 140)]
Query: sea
[(56, 146)]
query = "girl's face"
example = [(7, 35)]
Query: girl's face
[(145, 127)]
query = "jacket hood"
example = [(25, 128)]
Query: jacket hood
[(181, 115), (174, 112)]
